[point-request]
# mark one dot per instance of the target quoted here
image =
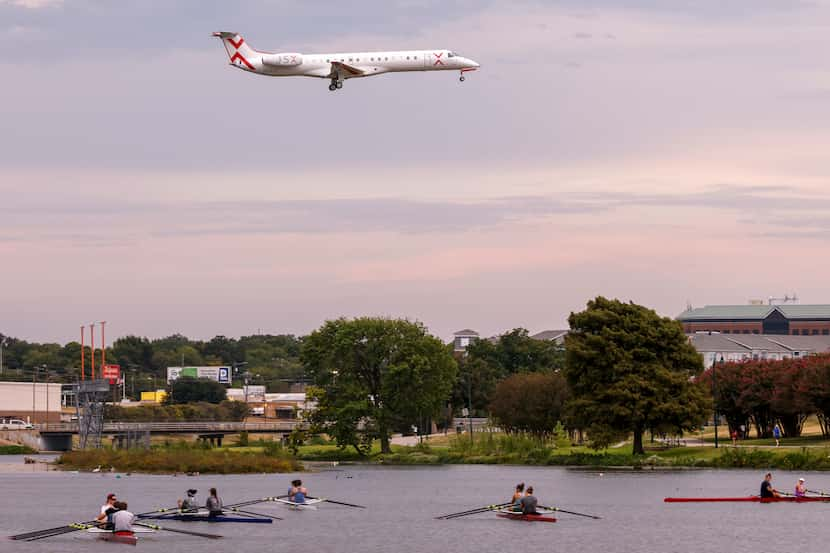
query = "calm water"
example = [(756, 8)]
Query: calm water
[(403, 501)]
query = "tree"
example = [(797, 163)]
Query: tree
[(630, 370), (373, 374), (487, 363), (187, 389), (532, 402)]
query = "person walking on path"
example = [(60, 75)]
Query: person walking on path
[(776, 433), (734, 438)]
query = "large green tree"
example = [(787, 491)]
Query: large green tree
[(375, 374), (631, 370)]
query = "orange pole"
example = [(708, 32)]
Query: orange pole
[(82, 352), (103, 346), (92, 339)]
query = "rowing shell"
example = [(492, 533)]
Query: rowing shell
[(514, 515), (309, 505), (136, 530), (205, 517), (752, 498)]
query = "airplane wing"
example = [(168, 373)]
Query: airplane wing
[(340, 71)]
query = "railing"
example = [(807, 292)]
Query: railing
[(184, 427)]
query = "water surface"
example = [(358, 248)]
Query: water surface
[(403, 501)]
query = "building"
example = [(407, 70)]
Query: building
[(730, 347), (462, 339), (790, 319), (34, 402), (556, 336), (272, 406)]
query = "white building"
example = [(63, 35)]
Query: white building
[(32, 402)]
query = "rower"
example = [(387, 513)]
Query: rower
[(529, 502), (767, 491), (515, 501), (800, 490), (122, 520), (297, 492), (213, 504), (189, 503), (107, 510)]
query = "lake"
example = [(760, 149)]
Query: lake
[(402, 502)]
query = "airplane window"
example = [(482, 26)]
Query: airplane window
[(451, 54)]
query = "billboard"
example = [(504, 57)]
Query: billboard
[(219, 374), (111, 373)]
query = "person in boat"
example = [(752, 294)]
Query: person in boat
[(529, 502), (767, 491), (213, 504), (122, 520), (800, 490), (107, 510), (297, 492), (515, 501), (191, 502)]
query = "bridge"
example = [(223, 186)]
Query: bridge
[(58, 436)]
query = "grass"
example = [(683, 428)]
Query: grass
[(15, 450), (182, 458)]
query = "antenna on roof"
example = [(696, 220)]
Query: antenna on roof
[(688, 305), (786, 299)]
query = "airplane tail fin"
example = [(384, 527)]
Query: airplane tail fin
[(239, 52)]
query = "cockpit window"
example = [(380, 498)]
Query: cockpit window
[(451, 54)]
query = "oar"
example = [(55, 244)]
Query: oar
[(47, 531), (818, 492), (557, 509), (251, 513), (473, 511), (66, 529), (166, 529), (337, 502), (74, 527)]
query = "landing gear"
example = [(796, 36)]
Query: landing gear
[(335, 84), (339, 84), (462, 78), (332, 87)]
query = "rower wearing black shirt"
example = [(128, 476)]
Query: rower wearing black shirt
[(767, 491)]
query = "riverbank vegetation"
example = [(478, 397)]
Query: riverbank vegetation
[(15, 450), (184, 458)]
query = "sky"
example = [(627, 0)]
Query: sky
[(666, 153)]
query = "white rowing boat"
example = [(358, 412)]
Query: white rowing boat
[(309, 505), (136, 530)]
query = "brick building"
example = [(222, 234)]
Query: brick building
[(793, 320)]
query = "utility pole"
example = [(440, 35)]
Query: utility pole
[(470, 404), (83, 355), (2, 343), (34, 381)]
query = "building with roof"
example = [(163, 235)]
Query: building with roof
[(730, 347), (792, 320), (462, 339), (556, 336)]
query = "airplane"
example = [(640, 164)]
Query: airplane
[(339, 67)]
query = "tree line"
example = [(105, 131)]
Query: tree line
[(766, 392), (270, 360), (624, 370)]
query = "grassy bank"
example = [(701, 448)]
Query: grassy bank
[(15, 450), (182, 458), (517, 450)]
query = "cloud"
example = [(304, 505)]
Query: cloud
[(32, 4)]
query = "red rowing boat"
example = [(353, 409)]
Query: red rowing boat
[(119, 537), (528, 518), (751, 498)]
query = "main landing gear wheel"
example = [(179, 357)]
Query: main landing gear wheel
[(462, 78), (332, 87), (339, 84)]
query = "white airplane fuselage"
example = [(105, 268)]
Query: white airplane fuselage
[(340, 66)]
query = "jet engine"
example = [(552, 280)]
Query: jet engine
[(282, 60)]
